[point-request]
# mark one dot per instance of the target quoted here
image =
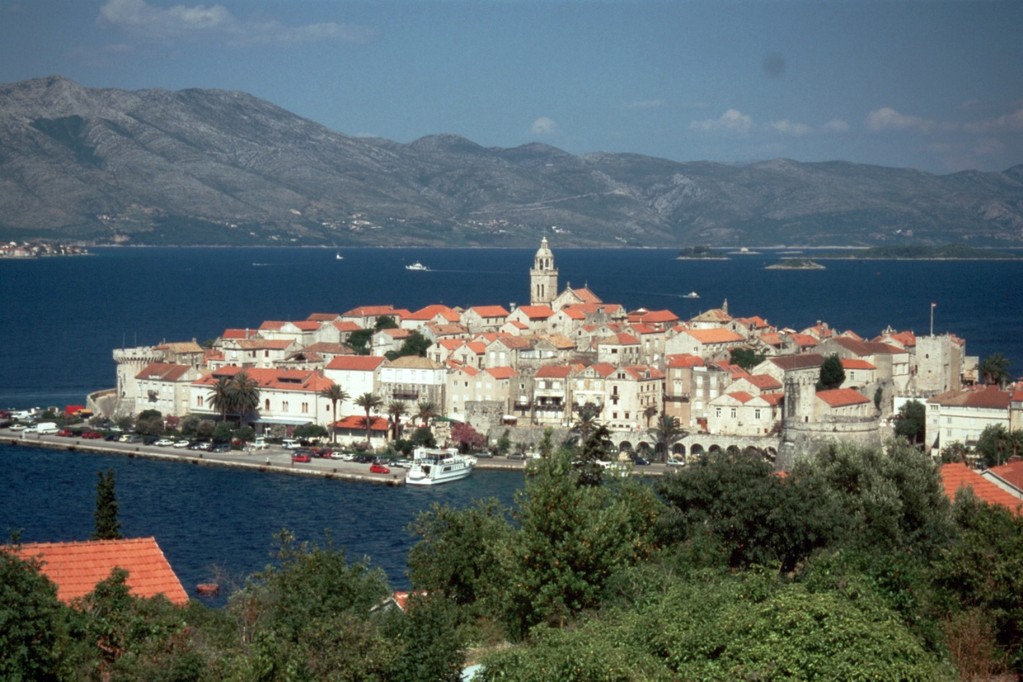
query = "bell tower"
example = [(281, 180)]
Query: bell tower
[(543, 276)]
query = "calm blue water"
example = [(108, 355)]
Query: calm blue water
[(62, 317)]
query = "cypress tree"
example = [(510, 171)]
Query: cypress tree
[(108, 527)]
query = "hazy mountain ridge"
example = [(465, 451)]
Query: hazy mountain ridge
[(213, 166)]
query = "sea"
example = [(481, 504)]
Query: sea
[(62, 317)]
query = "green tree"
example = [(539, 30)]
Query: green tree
[(149, 422), (359, 341), (570, 539), (586, 420), (245, 396), (747, 358), (309, 432), (368, 402), (427, 410), (396, 409), (911, 422), (32, 622), (415, 344), (666, 433), (832, 375), (220, 396), (995, 369), (107, 525), (997, 444), (504, 443), (335, 394), (453, 554)]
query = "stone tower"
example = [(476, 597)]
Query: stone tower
[(543, 276)]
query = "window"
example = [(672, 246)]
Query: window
[(756, 413), (717, 411), (733, 413), (305, 408), (266, 404), (284, 405), (198, 401)]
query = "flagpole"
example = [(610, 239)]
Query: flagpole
[(932, 317)]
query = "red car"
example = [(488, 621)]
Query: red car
[(301, 457), (378, 469), (92, 435), (66, 433)]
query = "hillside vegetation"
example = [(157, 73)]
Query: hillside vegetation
[(854, 566)]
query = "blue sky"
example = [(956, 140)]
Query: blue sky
[(928, 84)]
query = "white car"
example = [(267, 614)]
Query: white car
[(164, 442), (181, 444), (675, 462), (259, 444)]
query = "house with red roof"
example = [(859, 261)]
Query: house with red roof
[(659, 319), (356, 374), (892, 363), (709, 343), (843, 402), (571, 297), (632, 390), (352, 429), (291, 397), (961, 416), (77, 567), (551, 399), (531, 317), (589, 385), (165, 387), (412, 379), (619, 349), (484, 318), (431, 314), (388, 340), (957, 477), (367, 316), (741, 413), (712, 319), (859, 373), (256, 352), (690, 384)]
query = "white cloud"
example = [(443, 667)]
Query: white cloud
[(835, 125), (732, 121), (786, 127), (1001, 124), (886, 118), (543, 126), (180, 21)]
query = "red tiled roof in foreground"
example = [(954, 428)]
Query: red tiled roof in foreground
[(957, 475), (77, 567)]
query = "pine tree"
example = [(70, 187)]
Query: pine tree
[(108, 527)]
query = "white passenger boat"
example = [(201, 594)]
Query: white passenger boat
[(691, 294), (417, 266), (432, 467)]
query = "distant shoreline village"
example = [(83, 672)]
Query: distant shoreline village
[(510, 373), (40, 249)]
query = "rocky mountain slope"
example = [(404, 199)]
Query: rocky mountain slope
[(217, 167)]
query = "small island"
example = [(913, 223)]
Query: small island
[(795, 264), (923, 252), (700, 253)]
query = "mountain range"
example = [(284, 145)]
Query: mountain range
[(220, 167)]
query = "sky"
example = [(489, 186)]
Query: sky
[(935, 85)]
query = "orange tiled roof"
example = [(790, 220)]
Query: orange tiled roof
[(842, 397), (163, 371), (988, 397), (553, 371), (356, 363), (805, 361), (763, 381), (323, 317), (431, 311), (536, 312), (957, 475), (1011, 472), (238, 333), (371, 311), (716, 335), (489, 310), (684, 360), (857, 363), (358, 422), (502, 372), (77, 567), (272, 378)]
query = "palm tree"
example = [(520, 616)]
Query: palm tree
[(368, 402), (427, 411), (245, 396), (649, 413), (586, 421), (665, 434), (396, 409), (220, 396), (335, 394)]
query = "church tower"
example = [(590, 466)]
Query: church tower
[(543, 276)]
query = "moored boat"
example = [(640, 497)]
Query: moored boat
[(432, 467)]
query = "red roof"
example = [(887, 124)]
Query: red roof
[(358, 422), (988, 397), (77, 567), (356, 363), (842, 397), (957, 475), (501, 372), (684, 360), (857, 363), (489, 310), (536, 312), (553, 371), (163, 371), (1012, 473), (715, 335)]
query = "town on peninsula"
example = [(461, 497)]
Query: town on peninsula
[(513, 373)]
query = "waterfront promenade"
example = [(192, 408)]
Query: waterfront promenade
[(274, 459)]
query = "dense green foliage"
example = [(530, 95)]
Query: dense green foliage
[(747, 358), (832, 374), (853, 566), (911, 422), (107, 525)]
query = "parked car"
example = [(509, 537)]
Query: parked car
[(201, 445), (221, 447), (66, 433), (290, 444), (130, 438), (93, 435), (675, 462), (516, 455), (182, 443), (301, 457), (640, 461), (259, 444), (164, 442), (376, 468)]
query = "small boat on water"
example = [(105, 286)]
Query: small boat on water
[(432, 467), (417, 266), (691, 294), (338, 256)]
